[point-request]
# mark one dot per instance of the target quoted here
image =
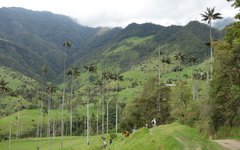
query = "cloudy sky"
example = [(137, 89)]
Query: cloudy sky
[(112, 13)]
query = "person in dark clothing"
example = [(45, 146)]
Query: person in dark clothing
[(110, 141)]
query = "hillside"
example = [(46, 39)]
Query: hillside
[(22, 91), (41, 35), (167, 137)]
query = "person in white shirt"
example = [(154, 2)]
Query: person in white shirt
[(154, 122)]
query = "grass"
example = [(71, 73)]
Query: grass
[(28, 120), (165, 137)]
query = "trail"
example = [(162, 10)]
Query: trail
[(229, 144)]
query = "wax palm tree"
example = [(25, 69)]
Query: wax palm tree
[(91, 68), (67, 45), (117, 77), (73, 72), (99, 84), (208, 16), (192, 60), (107, 77), (44, 71), (3, 89), (50, 89), (102, 93), (159, 54)]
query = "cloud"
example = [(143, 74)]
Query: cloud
[(113, 13)]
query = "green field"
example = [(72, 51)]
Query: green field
[(165, 137)]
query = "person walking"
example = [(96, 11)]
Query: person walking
[(154, 122)]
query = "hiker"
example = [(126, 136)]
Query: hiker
[(146, 125), (154, 122), (110, 141), (104, 142)]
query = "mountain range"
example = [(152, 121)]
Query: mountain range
[(30, 39)]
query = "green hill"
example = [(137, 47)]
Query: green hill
[(165, 137)]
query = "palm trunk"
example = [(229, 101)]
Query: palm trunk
[(116, 116), (20, 125), (159, 71), (63, 98), (1, 102), (103, 112), (107, 106), (41, 106), (71, 110), (88, 133), (17, 131), (10, 136), (116, 123), (211, 50), (197, 92), (48, 128), (193, 88), (97, 120), (54, 133), (179, 70), (159, 80)]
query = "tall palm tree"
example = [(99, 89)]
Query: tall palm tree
[(117, 77), (73, 72), (208, 16), (3, 89), (107, 77), (91, 68), (99, 85), (50, 89), (66, 45), (159, 54), (102, 93), (192, 60), (44, 72)]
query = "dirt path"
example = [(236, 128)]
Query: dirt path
[(229, 144)]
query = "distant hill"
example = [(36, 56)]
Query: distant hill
[(38, 37)]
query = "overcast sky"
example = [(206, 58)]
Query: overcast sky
[(112, 13)]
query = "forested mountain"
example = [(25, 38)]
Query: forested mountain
[(41, 35)]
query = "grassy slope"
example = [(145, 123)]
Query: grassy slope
[(28, 121), (167, 137), (16, 82), (16, 79)]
